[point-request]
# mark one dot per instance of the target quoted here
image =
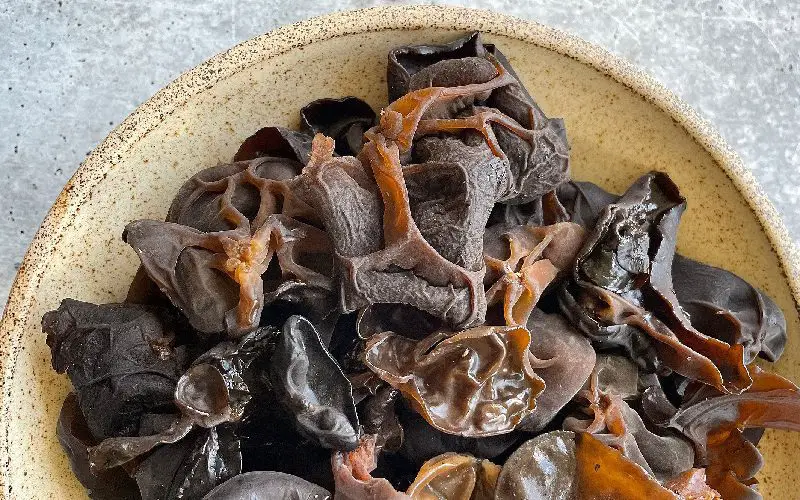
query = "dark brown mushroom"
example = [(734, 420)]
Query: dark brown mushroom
[(475, 383), (263, 484)]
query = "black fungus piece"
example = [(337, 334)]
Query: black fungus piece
[(216, 389), (717, 302), (538, 159), (379, 418), (225, 228), (625, 296), (654, 404), (293, 297), (276, 142), (115, 451), (185, 274), (346, 345), (270, 442), (584, 201), (268, 484), (402, 319), (541, 468), (383, 258), (345, 120), (421, 441), (348, 202), (451, 193), (618, 251), (539, 162), (543, 211), (726, 307), (418, 66), (312, 387), (618, 375), (514, 99), (120, 360), (204, 201), (215, 279), (75, 439), (567, 359), (455, 305), (191, 467), (547, 154), (454, 381), (221, 383)]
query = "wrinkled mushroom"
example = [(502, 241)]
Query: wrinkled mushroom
[(475, 383), (225, 268), (522, 261), (624, 295), (74, 436), (215, 390), (120, 360), (312, 387)]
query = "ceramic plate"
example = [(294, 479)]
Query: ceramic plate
[(620, 124)]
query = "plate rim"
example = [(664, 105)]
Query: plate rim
[(202, 77)]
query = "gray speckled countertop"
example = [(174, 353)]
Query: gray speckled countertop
[(73, 69)]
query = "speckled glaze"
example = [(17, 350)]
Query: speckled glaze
[(620, 123)]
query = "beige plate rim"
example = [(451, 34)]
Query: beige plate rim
[(147, 117)]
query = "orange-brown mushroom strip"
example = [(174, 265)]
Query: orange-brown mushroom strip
[(480, 122), (603, 472), (400, 120), (353, 478), (678, 352), (534, 259), (714, 423), (245, 259)]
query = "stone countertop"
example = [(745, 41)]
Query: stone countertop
[(73, 69)]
